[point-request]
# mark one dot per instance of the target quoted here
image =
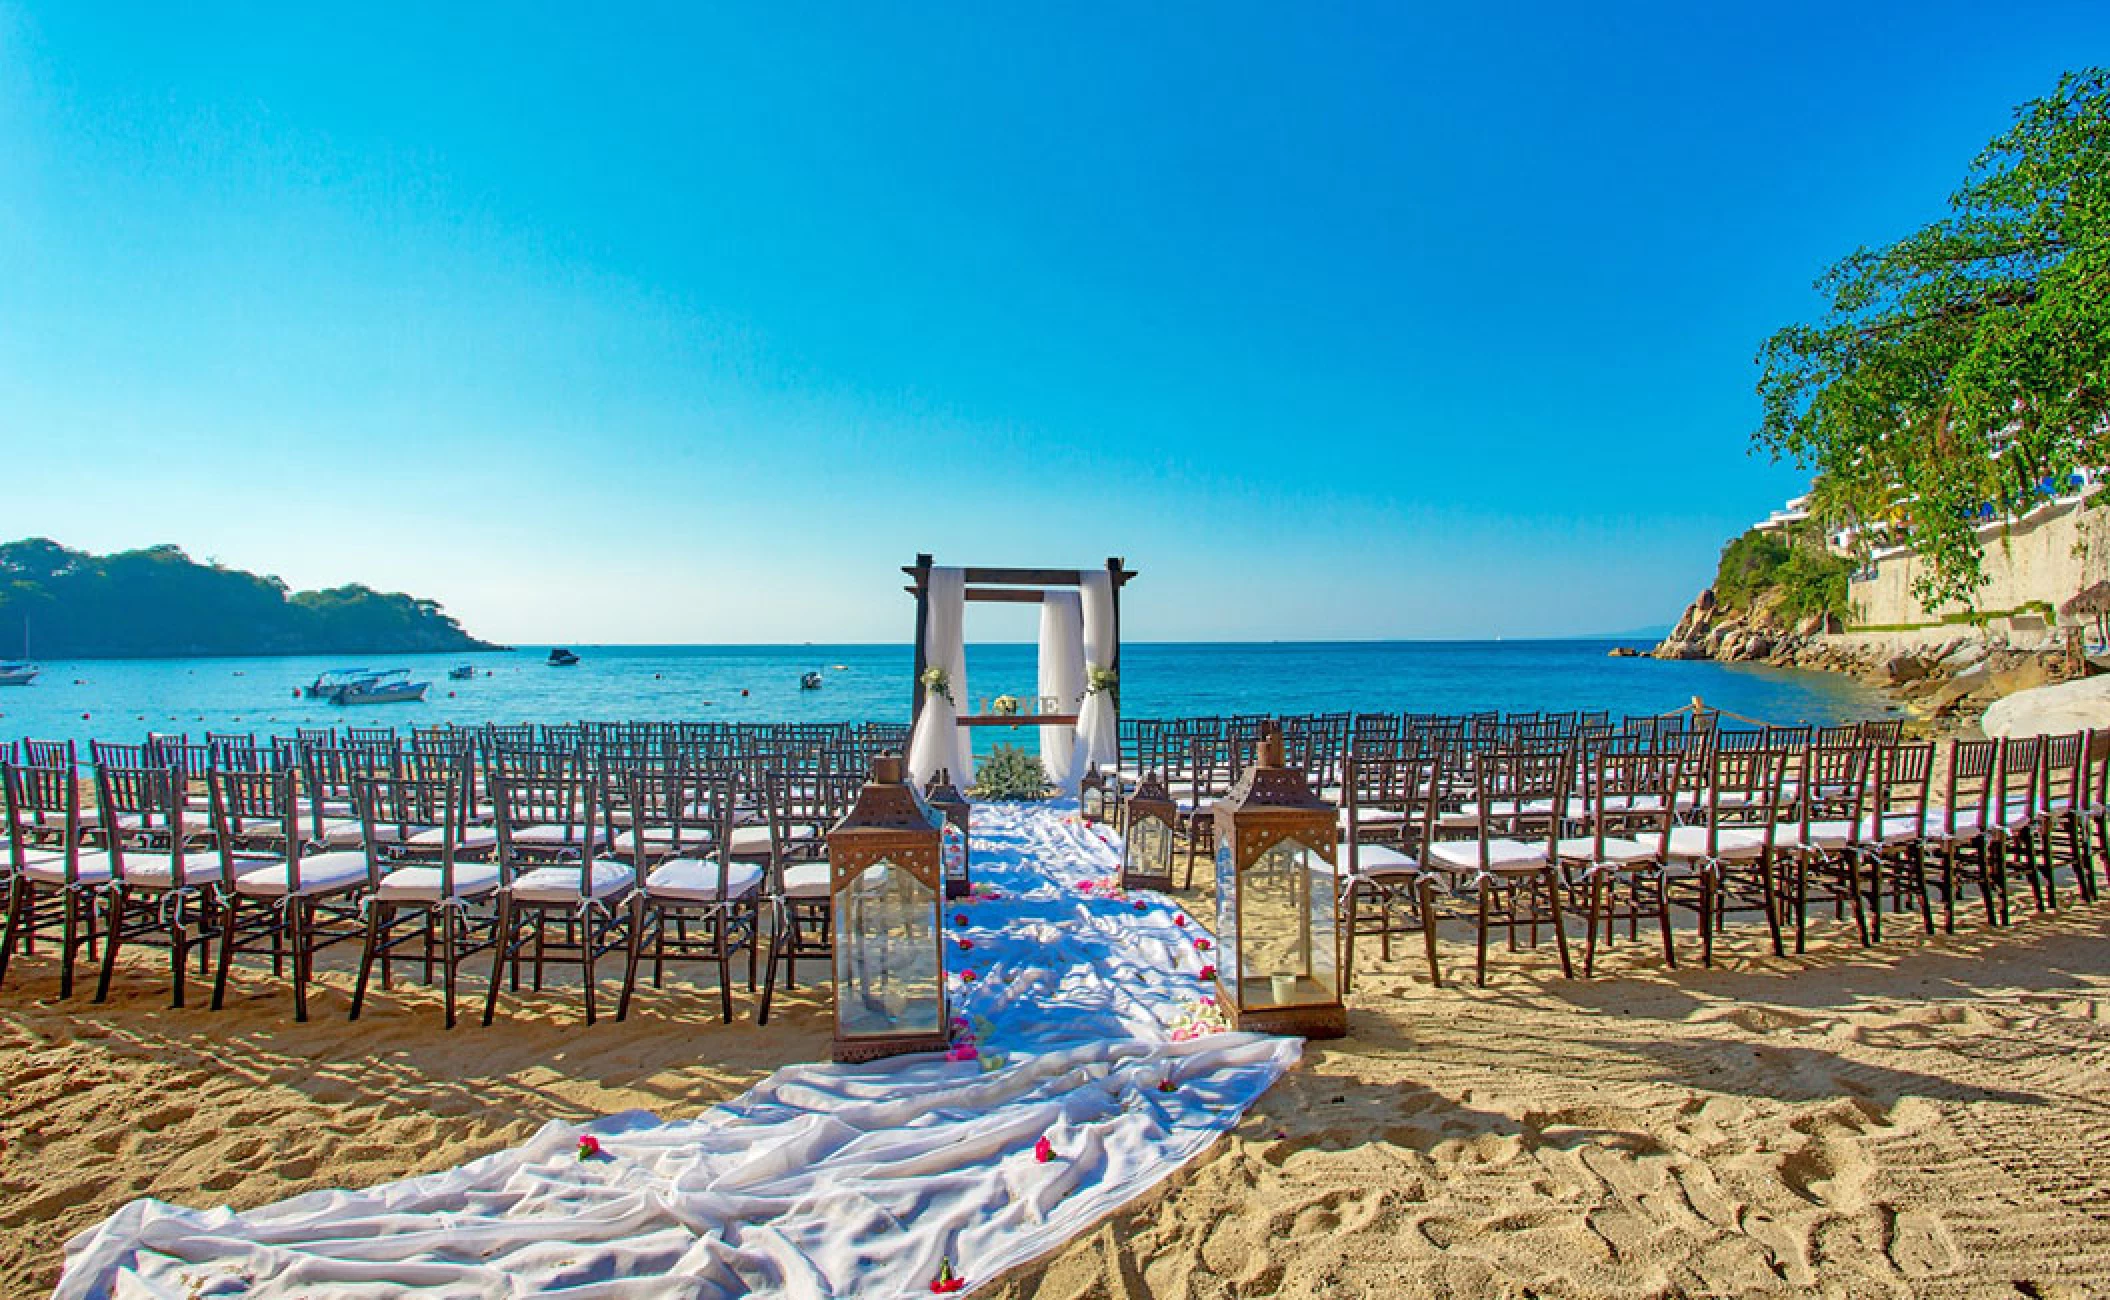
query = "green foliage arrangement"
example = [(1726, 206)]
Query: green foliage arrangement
[(1794, 574), (1961, 365), (155, 602), (1099, 678), (938, 682), (1010, 773)]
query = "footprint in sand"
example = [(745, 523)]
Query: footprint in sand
[(1920, 1245)]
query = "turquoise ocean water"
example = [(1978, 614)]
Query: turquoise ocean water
[(121, 699)]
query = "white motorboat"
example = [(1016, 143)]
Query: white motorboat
[(391, 687), (326, 686), (17, 674)]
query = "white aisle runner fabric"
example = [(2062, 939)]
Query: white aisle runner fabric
[(823, 1180)]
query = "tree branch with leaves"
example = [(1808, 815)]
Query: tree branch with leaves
[(1962, 365)]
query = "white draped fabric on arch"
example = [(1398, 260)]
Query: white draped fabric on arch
[(1077, 637), (939, 741)]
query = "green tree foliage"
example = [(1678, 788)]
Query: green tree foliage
[(1961, 365), (1794, 576), (161, 602)]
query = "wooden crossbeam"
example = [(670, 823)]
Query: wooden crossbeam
[(999, 595), (1021, 577)]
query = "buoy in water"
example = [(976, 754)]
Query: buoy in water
[(743, 693)]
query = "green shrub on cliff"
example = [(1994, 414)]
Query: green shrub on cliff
[(1792, 575)]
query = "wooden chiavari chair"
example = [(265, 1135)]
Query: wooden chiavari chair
[(1628, 807), (684, 821), (1511, 865), (1381, 856), (160, 890), (428, 896), (1726, 862), (52, 879), (290, 902), (550, 872)]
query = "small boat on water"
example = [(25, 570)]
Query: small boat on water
[(17, 674), (461, 672), (391, 687), (810, 682), (326, 685), (562, 658)]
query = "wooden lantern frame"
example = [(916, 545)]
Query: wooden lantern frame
[(943, 794), (889, 823), (1271, 803), (1108, 789), (1150, 802)]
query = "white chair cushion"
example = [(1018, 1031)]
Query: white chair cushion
[(1502, 855), (1966, 823), (1378, 861), (697, 879), (806, 880), (566, 884), (1824, 836), (750, 840), (1689, 843), (2014, 817), (1897, 828), (662, 838), (321, 873), (157, 869), (556, 836), (1373, 816), (468, 839), (94, 869), (1616, 850), (422, 884), (352, 834)]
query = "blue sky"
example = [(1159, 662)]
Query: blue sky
[(692, 323)]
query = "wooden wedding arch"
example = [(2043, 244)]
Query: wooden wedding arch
[(1010, 587)]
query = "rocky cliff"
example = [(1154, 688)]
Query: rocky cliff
[(1933, 676)]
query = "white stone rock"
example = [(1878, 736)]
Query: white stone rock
[(2051, 710)]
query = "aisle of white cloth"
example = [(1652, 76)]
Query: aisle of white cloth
[(823, 1180)]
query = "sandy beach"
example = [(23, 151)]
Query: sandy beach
[(1927, 1119), (244, 1107)]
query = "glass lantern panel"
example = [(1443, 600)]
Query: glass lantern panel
[(1227, 945), (952, 849), (1094, 803), (887, 976), (1149, 847), (1287, 929)]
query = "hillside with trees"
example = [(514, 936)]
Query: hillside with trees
[(159, 602)]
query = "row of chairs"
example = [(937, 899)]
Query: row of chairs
[(1522, 836), (438, 847)]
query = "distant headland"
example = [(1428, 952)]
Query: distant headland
[(59, 603)]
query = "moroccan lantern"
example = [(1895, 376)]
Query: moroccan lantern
[(1146, 847), (1278, 933), (1094, 799), (944, 796), (886, 901)]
